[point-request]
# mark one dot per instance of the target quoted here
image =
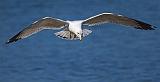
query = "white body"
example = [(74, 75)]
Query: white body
[(74, 31), (75, 26)]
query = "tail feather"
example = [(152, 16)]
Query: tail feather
[(68, 35), (86, 32)]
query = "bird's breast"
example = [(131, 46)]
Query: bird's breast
[(74, 26)]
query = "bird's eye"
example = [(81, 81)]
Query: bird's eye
[(78, 33)]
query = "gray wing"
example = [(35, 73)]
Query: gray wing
[(44, 23), (116, 19)]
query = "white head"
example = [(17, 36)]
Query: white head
[(75, 27)]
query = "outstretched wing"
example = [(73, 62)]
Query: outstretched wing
[(44, 23), (116, 19)]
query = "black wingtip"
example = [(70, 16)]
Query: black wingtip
[(150, 27), (7, 42), (13, 39), (144, 26)]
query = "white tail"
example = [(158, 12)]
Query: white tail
[(68, 35), (86, 32)]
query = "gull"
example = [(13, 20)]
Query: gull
[(73, 30)]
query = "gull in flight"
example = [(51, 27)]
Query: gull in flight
[(73, 30)]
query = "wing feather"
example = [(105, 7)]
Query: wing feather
[(44, 23), (116, 19)]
